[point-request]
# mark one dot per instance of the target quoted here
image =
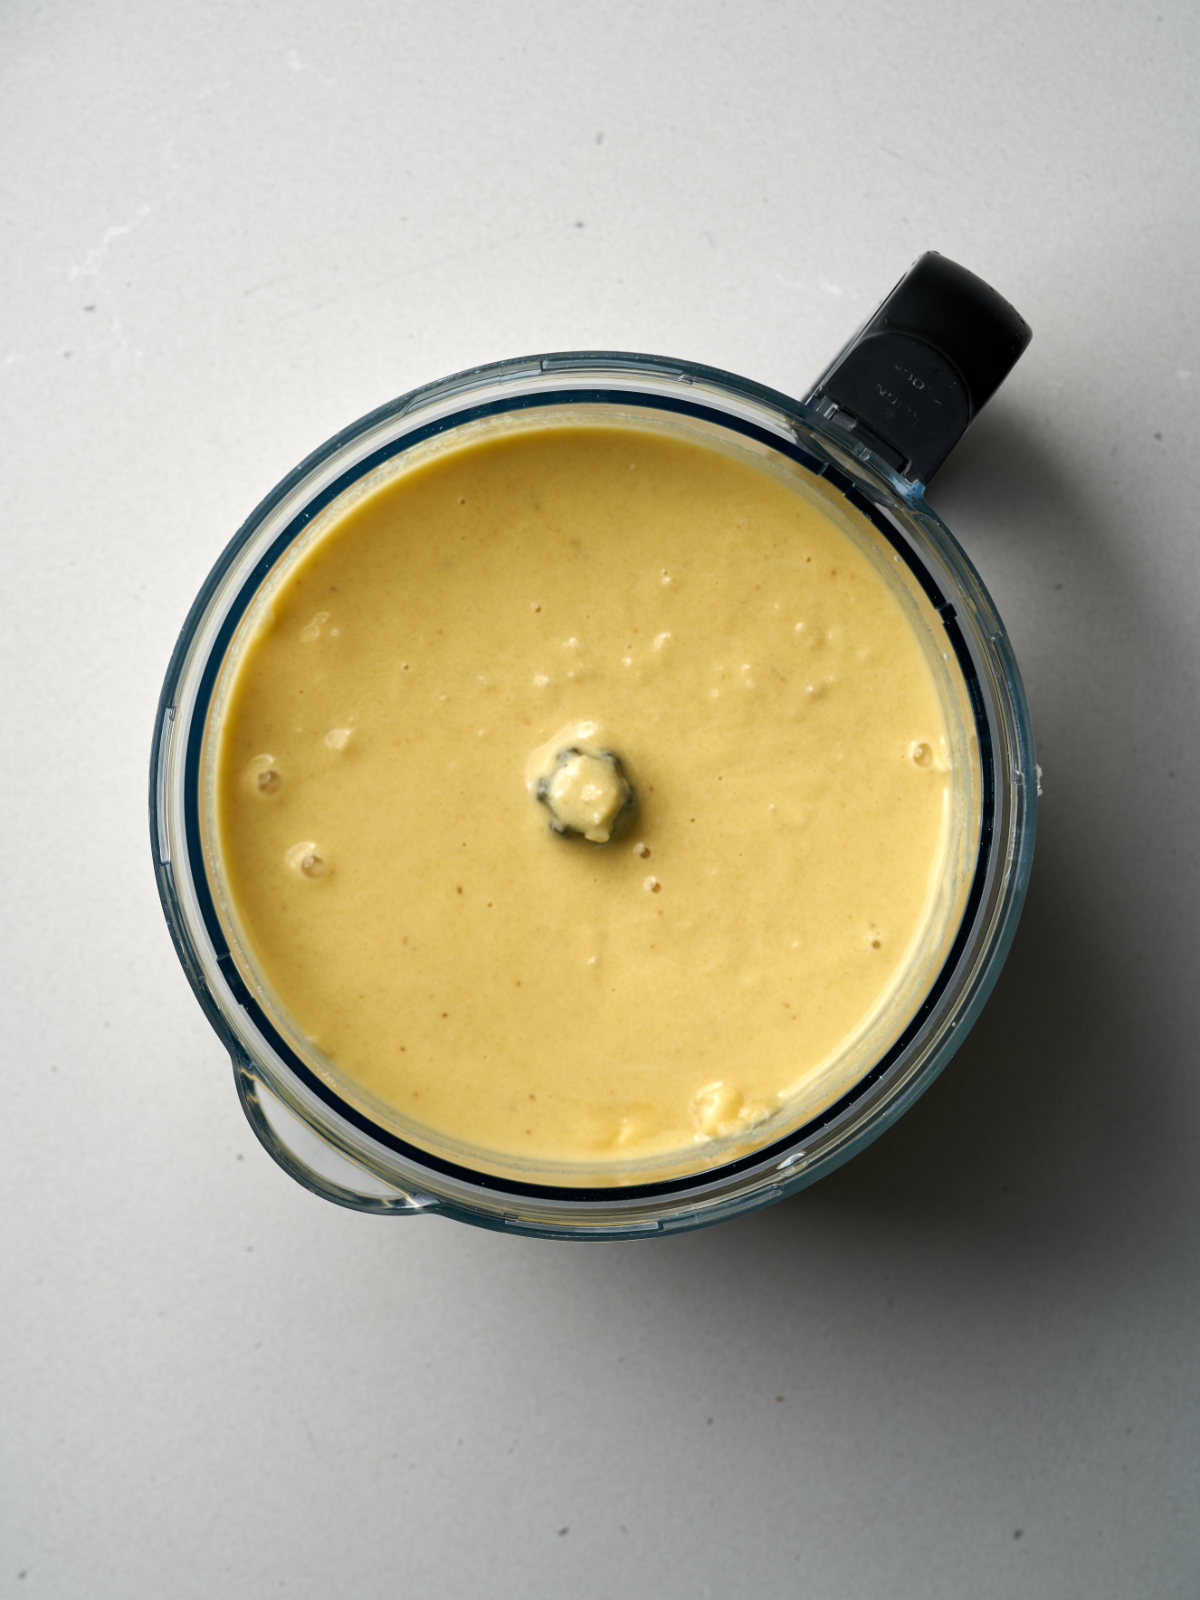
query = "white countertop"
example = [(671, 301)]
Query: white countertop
[(964, 1365)]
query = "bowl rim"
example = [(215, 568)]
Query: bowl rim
[(897, 510)]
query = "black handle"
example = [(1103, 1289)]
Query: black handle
[(912, 380)]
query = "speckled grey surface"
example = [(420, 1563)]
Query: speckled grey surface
[(965, 1364)]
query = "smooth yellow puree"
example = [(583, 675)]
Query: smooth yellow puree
[(474, 979)]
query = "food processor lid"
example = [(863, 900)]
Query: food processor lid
[(919, 371)]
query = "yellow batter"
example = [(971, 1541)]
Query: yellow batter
[(782, 884)]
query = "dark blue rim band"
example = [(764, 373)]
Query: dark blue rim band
[(762, 1157)]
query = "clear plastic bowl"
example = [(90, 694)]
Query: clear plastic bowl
[(336, 1150)]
